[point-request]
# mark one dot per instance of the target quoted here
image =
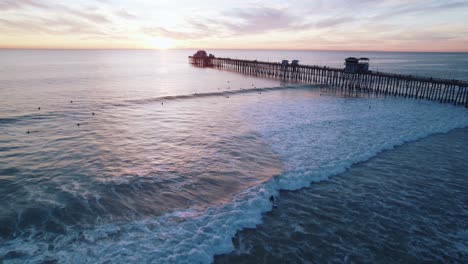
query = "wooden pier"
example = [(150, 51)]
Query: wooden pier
[(442, 90)]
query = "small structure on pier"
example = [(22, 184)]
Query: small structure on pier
[(201, 59), (363, 65), (351, 65), (355, 65), (200, 54)]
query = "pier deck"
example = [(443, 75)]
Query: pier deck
[(442, 90)]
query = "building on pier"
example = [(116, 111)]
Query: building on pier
[(200, 54), (201, 59), (355, 65), (363, 65)]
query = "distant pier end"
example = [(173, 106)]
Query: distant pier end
[(201, 59), (355, 77)]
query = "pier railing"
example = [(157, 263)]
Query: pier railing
[(443, 90)]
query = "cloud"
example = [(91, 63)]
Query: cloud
[(419, 8), (162, 32), (239, 22), (124, 14), (199, 25), (232, 23), (249, 21), (433, 34), (19, 4), (51, 26), (258, 20), (194, 29), (332, 22), (91, 16)]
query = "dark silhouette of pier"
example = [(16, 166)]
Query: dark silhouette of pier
[(442, 90)]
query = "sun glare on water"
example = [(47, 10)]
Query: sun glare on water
[(160, 43)]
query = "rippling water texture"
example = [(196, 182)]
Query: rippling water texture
[(135, 156)]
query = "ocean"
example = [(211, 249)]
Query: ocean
[(118, 156)]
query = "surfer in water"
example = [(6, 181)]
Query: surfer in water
[(272, 201)]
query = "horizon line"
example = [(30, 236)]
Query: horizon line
[(240, 49)]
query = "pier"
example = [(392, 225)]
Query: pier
[(348, 79)]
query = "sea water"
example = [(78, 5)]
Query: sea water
[(136, 156), (405, 205)]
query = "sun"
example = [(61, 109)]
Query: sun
[(160, 43)]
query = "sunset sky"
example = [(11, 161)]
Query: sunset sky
[(379, 25)]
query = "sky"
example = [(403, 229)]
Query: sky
[(373, 25)]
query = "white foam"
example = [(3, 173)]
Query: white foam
[(316, 138)]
